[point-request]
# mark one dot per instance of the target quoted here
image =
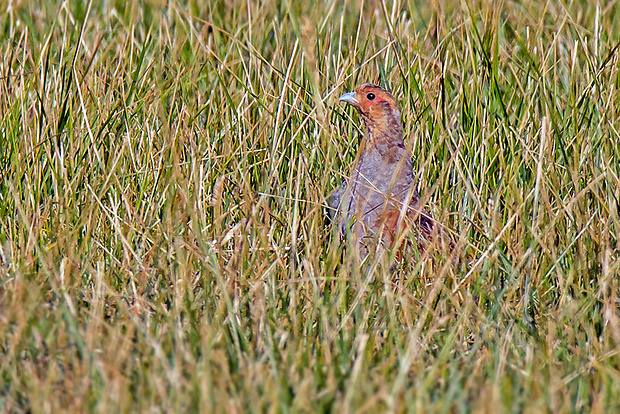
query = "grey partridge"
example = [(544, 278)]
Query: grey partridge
[(378, 201)]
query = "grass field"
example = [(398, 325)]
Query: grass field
[(162, 242)]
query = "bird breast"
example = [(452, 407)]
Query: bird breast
[(377, 186)]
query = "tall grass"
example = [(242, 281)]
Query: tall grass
[(163, 168)]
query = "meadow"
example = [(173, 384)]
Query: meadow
[(163, 171)]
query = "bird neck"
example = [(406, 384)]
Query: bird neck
[(385, 135)]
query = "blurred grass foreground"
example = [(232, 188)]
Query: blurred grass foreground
[(163, 167)]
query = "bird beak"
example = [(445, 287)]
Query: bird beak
[(349, 97)]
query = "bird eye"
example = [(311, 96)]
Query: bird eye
[(370, 96)]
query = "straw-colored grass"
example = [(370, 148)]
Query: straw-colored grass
[(163, 246)]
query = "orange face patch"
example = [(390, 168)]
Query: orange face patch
[(370, 95)]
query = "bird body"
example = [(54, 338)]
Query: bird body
[(379, 200)]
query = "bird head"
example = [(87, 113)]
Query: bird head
[(378, 109)]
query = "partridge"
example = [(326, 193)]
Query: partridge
[(378, 201)]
